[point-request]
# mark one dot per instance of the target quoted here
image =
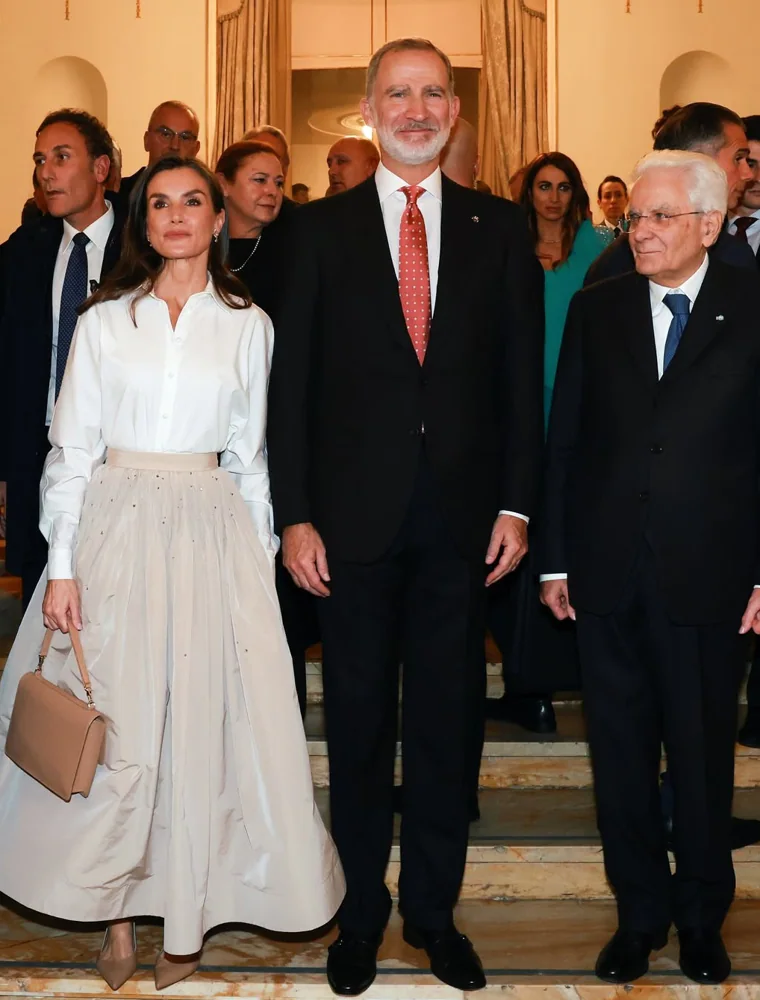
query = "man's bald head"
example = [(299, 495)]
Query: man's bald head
[(459, 159), (350, 161), (173, 128)]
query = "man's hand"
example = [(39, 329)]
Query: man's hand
[(751, 617), (555, 596), (61, 607), (305, 558), (510, 536)]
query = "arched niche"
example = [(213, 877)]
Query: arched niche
[(697, 76), (70, 82)]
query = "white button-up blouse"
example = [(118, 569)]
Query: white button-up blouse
[(200, 387)]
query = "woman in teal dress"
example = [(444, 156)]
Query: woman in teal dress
[(539, 653), (567, 243)]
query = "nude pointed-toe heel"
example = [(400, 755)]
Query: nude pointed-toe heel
[(168, 971), (116, 971)]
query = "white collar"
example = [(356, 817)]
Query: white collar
[(690, 288), (208, 290), (98, 231), (388, 182), (754, 215), (608, 224)]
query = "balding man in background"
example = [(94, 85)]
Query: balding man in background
[(173, 128), (350, 161), (460, 160)]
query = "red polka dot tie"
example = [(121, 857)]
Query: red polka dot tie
[(413, 273)]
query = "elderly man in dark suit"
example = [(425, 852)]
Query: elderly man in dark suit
[(49, 267), (405, 448), (652, 518), (700, 128), (173, 128)]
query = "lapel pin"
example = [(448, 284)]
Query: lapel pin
[(720, 318), (475, 218)]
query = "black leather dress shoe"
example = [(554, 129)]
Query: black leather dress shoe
[(352, 963), (536, 714), (749, 734), (626, 956), (704, 958), (744, 832), (452, 958)]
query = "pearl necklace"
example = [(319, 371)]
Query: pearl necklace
[(255, 248)]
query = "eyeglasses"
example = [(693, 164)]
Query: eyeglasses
[(168, 134), (657, 220)]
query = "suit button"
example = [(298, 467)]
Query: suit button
[(424, 381), (656, 449), (643, 496)]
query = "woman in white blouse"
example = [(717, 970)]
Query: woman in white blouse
[(203, 811)]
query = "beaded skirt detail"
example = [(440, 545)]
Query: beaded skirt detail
[(203, 812)]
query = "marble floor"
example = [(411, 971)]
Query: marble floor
[(551, 945)]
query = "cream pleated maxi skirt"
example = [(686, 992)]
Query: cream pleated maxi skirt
[(203, 811)]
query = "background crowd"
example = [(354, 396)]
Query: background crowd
[(70, 240)]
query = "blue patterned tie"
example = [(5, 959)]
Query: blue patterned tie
[(680, 305), (72, 296)]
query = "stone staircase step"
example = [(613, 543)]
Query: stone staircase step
[(531, 950), (513, 757), (538, 843)]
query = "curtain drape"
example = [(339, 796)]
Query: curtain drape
[(253, 75), (512, 112)]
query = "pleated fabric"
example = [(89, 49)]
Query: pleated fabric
[(203, 811)]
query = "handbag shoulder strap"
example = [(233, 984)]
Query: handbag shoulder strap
[(76, 645)]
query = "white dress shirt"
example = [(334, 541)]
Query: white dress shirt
[(98, 232), (200, 387), (393, 204), (661, 320), (753, 233), (662, 316)]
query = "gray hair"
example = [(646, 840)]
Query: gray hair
[(253, 133), (706, 180), (407, 45)]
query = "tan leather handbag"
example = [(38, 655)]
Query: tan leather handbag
[(54, 736)]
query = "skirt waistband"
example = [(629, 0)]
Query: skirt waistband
[(161, 461)]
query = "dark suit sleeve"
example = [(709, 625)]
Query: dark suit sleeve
[(564, 427), (617, 259), (523, 375), (288, 415)]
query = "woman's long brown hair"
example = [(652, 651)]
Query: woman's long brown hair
[(140, 265), (578, 210)]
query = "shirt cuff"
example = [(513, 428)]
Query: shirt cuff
[(545, 577), (60, 564), (513, 513)]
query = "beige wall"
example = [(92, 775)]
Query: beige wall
[(611, 65), (103, 58)]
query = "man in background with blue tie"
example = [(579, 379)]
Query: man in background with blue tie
[(48, 269), (652, 522)]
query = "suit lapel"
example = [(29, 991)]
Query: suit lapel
[(707, 320), (450, 264), (637, 332), (370, 243)]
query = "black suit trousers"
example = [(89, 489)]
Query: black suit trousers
[(647, 683), (27, 550), (421, 604)]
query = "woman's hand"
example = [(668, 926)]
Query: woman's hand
[(61, 606)]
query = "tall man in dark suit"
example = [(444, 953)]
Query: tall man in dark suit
[(405, 449), (700, 128), (173, 128), (49, 268), (652, 514)]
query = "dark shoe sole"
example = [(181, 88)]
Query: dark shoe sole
[(352, 992), (749, 740)]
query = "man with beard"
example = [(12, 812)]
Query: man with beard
[(405, 437), (350, 161)]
